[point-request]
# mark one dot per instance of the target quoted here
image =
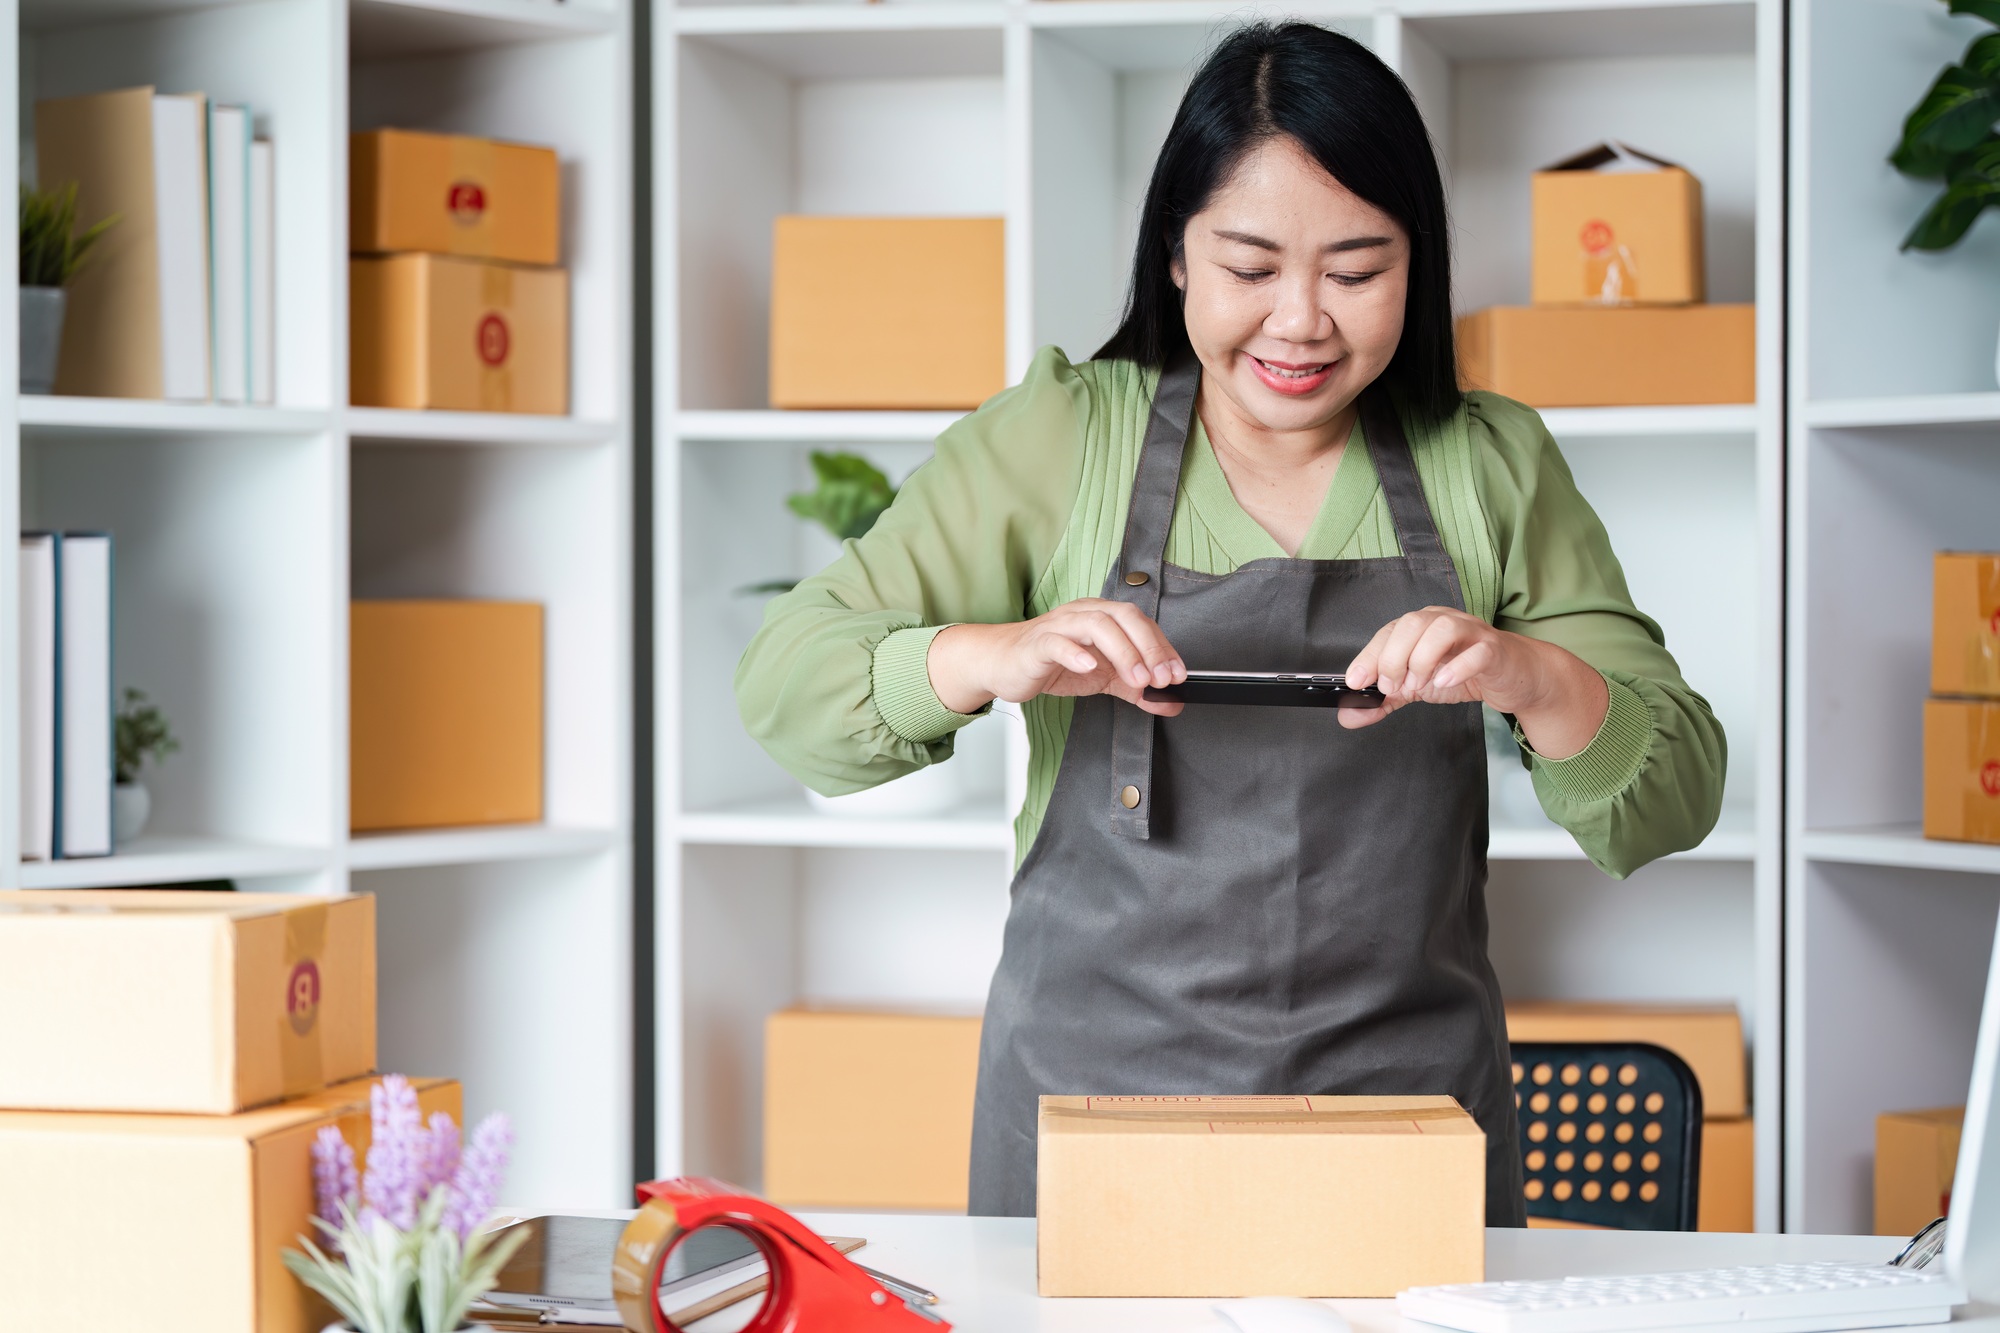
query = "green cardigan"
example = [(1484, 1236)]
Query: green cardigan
[(1023, 509)]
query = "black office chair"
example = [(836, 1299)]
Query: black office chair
[(1610, 1134)]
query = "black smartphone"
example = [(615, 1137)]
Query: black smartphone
[(1282, 689)]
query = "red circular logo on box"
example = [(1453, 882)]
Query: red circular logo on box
[(302, 997), (1596, 236), (466, 202), (1989, 777), (493, 340)]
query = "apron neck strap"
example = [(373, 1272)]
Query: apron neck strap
[(1154, 489), (1396, 470)]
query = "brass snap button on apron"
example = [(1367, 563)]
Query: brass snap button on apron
[(1129, 798), (1136, 578)]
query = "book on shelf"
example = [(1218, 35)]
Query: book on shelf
[(66, 723), (169, 306)]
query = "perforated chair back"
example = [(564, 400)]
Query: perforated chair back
[(1610, 1134)]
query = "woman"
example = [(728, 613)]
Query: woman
[(1270, 467)]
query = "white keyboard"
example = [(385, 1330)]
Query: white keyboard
[(1779, 1298)]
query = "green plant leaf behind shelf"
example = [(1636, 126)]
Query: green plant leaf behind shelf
[(1972, 186), (1957, 112), (851, 495), (1982, 9), (52, 249)]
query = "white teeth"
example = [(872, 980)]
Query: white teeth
[(1282, 373)]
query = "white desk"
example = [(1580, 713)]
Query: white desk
[(983, 1268)]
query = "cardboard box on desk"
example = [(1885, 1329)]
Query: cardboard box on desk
[(1606, 356), (430, 331), (1254, 1196), (1616, 226), (1708, 1036), (445, 713), (453, 194), (1965, 624), (181, 1002), (887, 312), (1916, 1155), (170, 1223), (868, 1109), (1962, 769)]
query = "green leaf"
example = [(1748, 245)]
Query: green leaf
[(52, 249), (1980, 9), (1957, 112), (1973, 186), (851, 495)]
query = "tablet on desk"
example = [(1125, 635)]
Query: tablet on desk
[(1283, 689)]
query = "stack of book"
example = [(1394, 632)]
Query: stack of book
[(66, 726), (178, 300)]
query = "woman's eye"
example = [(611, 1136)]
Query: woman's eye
[(1250, 274), (1354, 279)]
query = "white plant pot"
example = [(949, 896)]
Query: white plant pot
[(928, 791), (131, 806)]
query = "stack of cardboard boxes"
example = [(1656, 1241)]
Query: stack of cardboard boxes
[(1618, 287), (1962, 716), (166, 1059), (1916, 1155), (456, 302)]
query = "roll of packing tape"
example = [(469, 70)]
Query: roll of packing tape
[(813, 1288)]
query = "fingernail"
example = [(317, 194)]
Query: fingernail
[(1444, 679), (1178, 668)]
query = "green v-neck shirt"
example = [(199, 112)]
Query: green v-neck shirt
[(1023, 508)]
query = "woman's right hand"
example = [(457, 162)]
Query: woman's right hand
[(1089, 646)]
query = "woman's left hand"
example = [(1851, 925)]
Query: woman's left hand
[(1442, 656)]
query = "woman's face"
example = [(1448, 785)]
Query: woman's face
[(1294, 288)]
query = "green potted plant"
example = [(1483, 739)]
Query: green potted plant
[(850, 495), (52, 250), (139, 734)]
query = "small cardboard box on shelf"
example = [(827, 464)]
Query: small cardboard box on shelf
[(431, 331), (868, 1108), (1615, 226), (212, 1200), (1916, 1154), (887, 313), (453, 194), (1965, 623), (1962, 770), (1728, 1175), (1605, 356), (147, 1000), (445, 709), (1708, 1036), (1241, 1196)]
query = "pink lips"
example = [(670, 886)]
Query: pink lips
[(1294, 385)]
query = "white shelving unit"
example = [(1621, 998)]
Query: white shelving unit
[(1892, 422), (1049, 115), (243, 533)]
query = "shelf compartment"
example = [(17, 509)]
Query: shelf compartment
[(385, 29), (1506, 30), (873, 41), (52, 414), (472, 846), (172, 859), (1941, 409), (790, 822), (814, 427), (385, 425), (1734, 838)]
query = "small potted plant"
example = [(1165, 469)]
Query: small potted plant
[(406, 1250), (851, 494), (139, 733), (52, 250)]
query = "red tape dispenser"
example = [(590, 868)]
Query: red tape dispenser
[(813, 1287)]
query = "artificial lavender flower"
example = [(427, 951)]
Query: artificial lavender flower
[(476, 1185), (334, 1178), (440, 1155), (393, 1188)]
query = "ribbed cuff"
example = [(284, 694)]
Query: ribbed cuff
[(900, 681), (1615, 754)]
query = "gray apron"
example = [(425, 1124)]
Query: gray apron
[(1288, 907)]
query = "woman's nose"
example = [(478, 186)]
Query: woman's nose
[(1297, 317)]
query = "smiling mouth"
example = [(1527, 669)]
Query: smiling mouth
[(1286, 372)]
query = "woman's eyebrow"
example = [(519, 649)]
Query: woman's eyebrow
[(1333, 248)]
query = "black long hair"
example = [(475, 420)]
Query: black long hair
[(1355, 118)]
